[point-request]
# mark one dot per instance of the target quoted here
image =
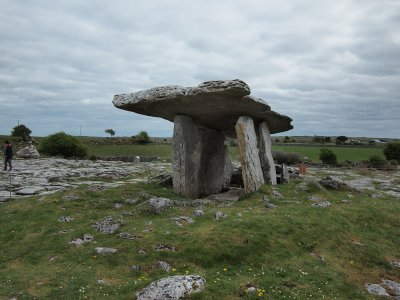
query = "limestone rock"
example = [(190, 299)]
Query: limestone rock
[(376, 289), (30, 190), (165, 266), (323, 204), (220, 215), (214, 104), (183, 220), (227, 198), (267, 162), (28, 152), (201, 162), (107, 226), (333, 184), (392, 286), (79, 241), (158, 205), (106, 250), (164, 247), (249, 158), (173, 288), (198, 213)]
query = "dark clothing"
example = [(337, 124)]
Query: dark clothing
[(8, 154)]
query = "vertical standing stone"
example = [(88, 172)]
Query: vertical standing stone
[(267, 162), (249, 158), (200, 161)]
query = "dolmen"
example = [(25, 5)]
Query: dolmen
[(204, 116)]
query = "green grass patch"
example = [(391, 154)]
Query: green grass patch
[(295, 251)]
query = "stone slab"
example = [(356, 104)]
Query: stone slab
[(214, 104)]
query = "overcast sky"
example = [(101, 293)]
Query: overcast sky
[(332, 66)]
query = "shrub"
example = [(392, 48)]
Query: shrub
[(288, 158), (327, 156), (62, 144), (377, 161), (142, 137), (392, 151)]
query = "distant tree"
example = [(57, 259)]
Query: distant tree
[(286, 139), (327, 156), (110, 131), (318, 139), (21, 131), (327, 139), (392, 151), (341, 139), (276, 140), (62, 144), (142, 137)]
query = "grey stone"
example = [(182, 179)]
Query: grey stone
[(106, 250), (249, 157), (141, 252), (158, 205), (173, 288), (128, 236), (71, 197), (396, 263), (103, 282), (95, 188), (165, 266), (276, 194), (220, 215), (198, 169), (333, 183), (107, 226), (30, 190), (63, 219), (131, 201), (164, 247), (251, 290), (265, 152), (198, 213), (376, 289), (323, 204), (117, 205), (183, 220), (87, 238), (213, 104), (393, 286), (136, 268), (28, 152)]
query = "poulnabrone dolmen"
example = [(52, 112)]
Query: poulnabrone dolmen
[(203, 117)]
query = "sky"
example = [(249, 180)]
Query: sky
[(332, 66)]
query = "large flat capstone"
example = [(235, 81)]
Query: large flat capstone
[(214, 104)]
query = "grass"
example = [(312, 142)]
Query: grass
[(276, 250)]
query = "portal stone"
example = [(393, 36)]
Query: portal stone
[(200, 159), (249, 158), (267, 162)]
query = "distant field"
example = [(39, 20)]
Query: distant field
[(165, 150)]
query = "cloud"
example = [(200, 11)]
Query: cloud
[(333, 66)]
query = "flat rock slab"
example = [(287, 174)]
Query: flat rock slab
[(30, 190), (173, 288), (213, 104), (229, 197)]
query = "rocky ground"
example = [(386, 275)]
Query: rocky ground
[(45, 176)]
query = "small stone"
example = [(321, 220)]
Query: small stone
[(396, 263), (376, 289), (158, 205), (136, 268), (103, 281), (323, 204), (345, 201), (251, 290), (105, 250), (65, 219), (165, 266), (173, 288), (117, 205), (276, 194), (107, 226), (128, 236), (30, 190), (198, 213), (183, 220), (53, 258), (220, 215), (164, 247), (95, 188), (357, 243), (78, 241), (131, 201), (71, 197), (333, 183), (393, 286), (141, 252), (315, 198)]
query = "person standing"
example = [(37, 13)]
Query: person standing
[(8, 154)]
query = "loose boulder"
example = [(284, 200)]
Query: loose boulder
[(173, 288), (28, 152)]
